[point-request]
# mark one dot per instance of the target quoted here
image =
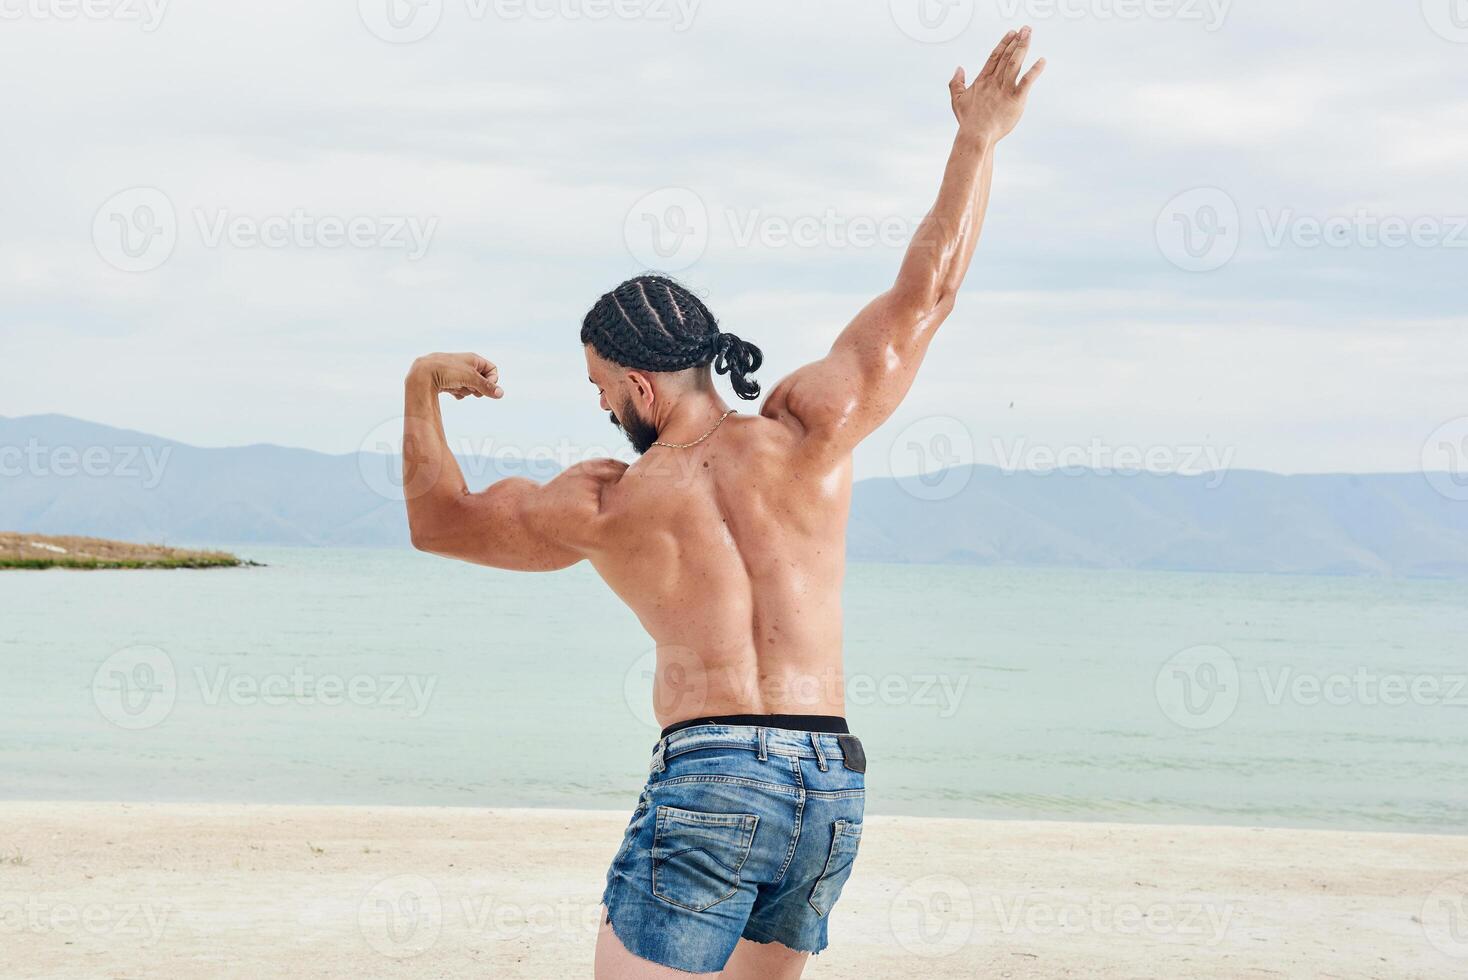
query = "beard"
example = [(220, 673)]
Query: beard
[(638, 430)]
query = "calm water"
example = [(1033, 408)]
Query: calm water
[(391, 677)]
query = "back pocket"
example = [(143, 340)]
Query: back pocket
[(696, 857), (845, 838)]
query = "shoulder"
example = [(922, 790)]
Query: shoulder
[(811, 408), (593, 471), (572, 505), (583, 486)]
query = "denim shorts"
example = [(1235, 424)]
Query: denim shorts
[(740, 832)]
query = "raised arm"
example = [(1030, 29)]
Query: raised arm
[(515, 523), (840, 399)]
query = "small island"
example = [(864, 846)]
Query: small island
[(21, 550)]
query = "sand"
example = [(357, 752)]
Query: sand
[(168, 890)]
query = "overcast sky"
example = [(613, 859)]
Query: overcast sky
[(1234, 232)]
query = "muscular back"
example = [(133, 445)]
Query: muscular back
[(731, 550), (731, 553)]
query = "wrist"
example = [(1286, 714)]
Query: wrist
[(420, 373), (976, 138)]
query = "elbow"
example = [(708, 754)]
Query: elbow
[(420, 538), (425, 536)]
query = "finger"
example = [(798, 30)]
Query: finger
[(1009, 71), (993, 61), (488, 389), (955, 84), (458, 394), (1036, 70), (1004, 54)]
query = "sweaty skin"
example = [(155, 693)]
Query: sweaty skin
[(731, 552)]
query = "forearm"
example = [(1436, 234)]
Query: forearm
[(941, 251), (433, 484)]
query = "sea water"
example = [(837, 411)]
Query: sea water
[(389, 677)]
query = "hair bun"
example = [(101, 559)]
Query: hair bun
[(736, 358)]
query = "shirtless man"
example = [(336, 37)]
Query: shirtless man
[(727, 539)]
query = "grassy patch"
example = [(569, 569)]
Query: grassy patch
[(39, 551)]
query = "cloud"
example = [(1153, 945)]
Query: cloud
[(528, 138)]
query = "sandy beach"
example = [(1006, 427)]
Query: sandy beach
[(167, 890)]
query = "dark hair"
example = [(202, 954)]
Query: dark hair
[(653, 324)]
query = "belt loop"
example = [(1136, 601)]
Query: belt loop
[(815, 741), (658, 752), (764, 753)]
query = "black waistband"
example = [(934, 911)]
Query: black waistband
[(828, 724)]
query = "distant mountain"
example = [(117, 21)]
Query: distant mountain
[(60, 475)]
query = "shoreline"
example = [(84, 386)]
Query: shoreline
[(1111, 821), (209, 889)]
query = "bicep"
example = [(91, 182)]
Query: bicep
[(520, 525)]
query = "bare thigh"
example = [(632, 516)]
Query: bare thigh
[(764, 961), (751, 961), (615, 962)]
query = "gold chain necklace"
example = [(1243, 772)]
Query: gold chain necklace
[(689, 445)]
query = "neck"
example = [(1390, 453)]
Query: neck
[(690, 417)]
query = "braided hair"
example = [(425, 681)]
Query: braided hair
[(654, 324)]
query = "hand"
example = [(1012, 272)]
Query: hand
[(992, 105), (460, 375)]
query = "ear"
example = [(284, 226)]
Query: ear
[(642, 384)]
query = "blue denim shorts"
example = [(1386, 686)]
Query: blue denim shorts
[(740, 832)]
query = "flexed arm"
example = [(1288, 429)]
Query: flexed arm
[(514, 523), (838, 400)]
